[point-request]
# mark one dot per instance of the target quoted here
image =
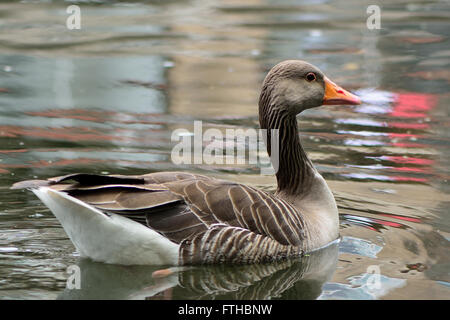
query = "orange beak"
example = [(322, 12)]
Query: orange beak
[(335, 95)]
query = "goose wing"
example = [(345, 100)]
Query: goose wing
[(200, 213), (216, 201)]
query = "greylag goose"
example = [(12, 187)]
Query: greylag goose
[(180, 218)]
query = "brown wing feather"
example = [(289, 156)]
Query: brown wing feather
[(233, 204)]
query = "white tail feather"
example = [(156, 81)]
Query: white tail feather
[(111, 239)]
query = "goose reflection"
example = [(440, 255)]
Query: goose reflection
[(290, 279)]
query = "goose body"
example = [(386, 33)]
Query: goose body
[(180, 218)]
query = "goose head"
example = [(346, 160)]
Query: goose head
[(293, 86)]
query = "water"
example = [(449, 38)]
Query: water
[(106, 99)]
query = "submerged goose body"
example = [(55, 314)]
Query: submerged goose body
[(180, 218)]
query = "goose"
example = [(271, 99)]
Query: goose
[(181, 218)]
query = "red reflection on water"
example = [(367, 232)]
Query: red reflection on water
[(408, 113), (412, 169), (412, 179), (410, 160), (411, 105), (408, 145), (377, 224), (401, 217), (388, 223), (403, 135), (402, 125), (14, 151)]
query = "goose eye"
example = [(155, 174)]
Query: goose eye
[(310, 77)]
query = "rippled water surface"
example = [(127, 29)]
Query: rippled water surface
[(106, 99)]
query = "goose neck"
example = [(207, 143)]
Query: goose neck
[(294, 170)]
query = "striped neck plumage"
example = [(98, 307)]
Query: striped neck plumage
[(295, 171)]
